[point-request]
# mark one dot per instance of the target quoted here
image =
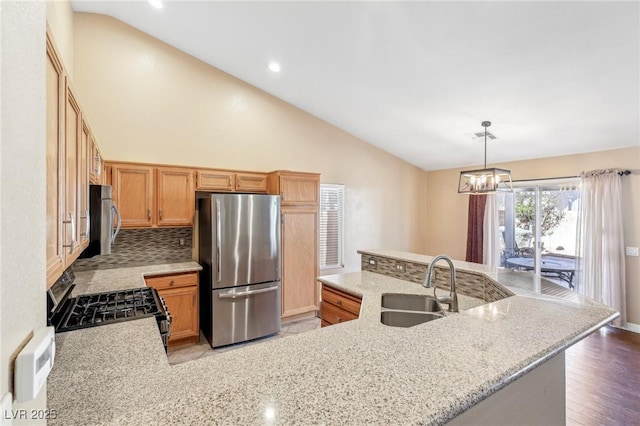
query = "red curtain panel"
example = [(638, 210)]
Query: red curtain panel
[(474, 228)]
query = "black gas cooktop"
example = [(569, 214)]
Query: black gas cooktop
[(103, 308)]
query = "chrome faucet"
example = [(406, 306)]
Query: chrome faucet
[(452, 299)]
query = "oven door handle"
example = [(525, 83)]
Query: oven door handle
[(246, 293)]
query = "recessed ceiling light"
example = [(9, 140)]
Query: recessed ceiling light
[(155, 3), (274, 66)]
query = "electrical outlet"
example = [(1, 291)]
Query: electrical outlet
[(633, 251), (399, 267), (372, 261), (181, 241)]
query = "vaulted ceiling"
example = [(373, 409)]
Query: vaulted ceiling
[(417, 78)]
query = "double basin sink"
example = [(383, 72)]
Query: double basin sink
[(407, 310)]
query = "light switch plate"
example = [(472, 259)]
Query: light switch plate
[(633, 251), (6, 410)]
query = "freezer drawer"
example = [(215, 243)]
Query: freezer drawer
[(245, 313)]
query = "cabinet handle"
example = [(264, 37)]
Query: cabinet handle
[(339, 319), (72, 222), (171, 283), (339, 302), (160, 212), (149, 214), (86, 227)]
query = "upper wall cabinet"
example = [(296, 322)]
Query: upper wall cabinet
[(67, 170), (133, 194), (55, 95), (295, 188), (230, 181), (149, 196), (175, 196)]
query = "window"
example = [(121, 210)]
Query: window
[(331, 225)]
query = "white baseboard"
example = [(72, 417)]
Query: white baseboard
[(635, 328)]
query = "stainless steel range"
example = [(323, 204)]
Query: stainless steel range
[(90, 310)]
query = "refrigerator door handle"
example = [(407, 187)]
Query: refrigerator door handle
[(218, 239), (247, 293)]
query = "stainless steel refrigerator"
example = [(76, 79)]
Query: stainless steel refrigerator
[(239, 250)]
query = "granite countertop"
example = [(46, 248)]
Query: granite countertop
[(358, 372)]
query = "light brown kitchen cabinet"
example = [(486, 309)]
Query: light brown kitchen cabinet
[(96, 172), (338, 306), (180, 293), (215, 180), (175, 197), (67, 169), (295, 188), (72, 221), (150, 196), (230, 181), (251, 182), (299, 261), (299, 236), (84, 165), (133, 194), (55, 102)]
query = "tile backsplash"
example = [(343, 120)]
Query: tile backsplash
[(138, 247), (467, 283)]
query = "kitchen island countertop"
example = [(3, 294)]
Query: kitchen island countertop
[(358, 372)]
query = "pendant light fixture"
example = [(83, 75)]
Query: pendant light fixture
[(485, 181)]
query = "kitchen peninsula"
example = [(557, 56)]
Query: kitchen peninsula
[(358, 372)]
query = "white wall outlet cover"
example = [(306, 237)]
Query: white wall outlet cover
[(633, 251), (6, 410)]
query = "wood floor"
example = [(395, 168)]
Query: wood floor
[(603, 379)]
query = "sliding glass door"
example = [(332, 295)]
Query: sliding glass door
[(538, 228)]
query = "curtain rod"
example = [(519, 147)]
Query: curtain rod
[(620, 172)]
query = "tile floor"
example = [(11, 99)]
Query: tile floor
[(203, 349)]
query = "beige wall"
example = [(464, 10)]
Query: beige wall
[(447, 212), (22, 185), (60, 20), (149, 102)]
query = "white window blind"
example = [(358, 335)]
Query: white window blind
[(331, 225)]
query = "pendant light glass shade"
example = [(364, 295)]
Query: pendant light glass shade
[(485, 181)]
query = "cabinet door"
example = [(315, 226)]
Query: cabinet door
[(299, 261), (215, 180), (55, 159), (175, 197), (84, 164), (299, 189), (71, 218), (251, 182), (182, 303), (133, 194), (95, 175)]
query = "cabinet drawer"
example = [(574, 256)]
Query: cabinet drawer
[(334, 315), (341, 300), (216, 180), (172, 281), (251, 182)]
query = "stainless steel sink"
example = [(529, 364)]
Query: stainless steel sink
[(407, 310), (406, 319), (410, 302)]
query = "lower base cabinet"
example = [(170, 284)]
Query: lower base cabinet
[(180, 294), (338, 306)]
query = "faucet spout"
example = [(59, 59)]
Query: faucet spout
[(452, 299)]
